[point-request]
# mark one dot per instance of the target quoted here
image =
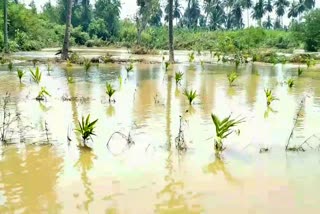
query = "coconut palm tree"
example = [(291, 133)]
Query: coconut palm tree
[(217, 16), (192, 13), (258, 11), (268, 23), (66, 42), (293, 10), (281, 6), (268, 6), (247, 4), (177, 10), (236, 12)]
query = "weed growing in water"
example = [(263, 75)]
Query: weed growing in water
[(190, 94), (42, 94), (87, 65), (36, 75), (86, 128), (110, 91), (300, 71), (10, 66), (129, 67), (310, 62), (290, 82), (191, 57), (178, 77), (269, 96), (70, 80), (167, 64), (223, 130), (232, 77), (20, 74)]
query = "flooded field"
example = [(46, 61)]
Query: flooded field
[(151, 176)]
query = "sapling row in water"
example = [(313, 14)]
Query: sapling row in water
[(36, 75), (20, 74), (129, 67), (178, 77), (269, 96), (110, 91), (190, 94), (232, 77), (86, 129), (42, 94), (87, 65), (224, 128)]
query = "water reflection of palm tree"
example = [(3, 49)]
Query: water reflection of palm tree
[(217, 166), (174, 201), (84, 164), (28, 184)]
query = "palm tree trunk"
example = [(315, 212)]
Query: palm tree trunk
[(171, 50), (5, 26), (66, 42)]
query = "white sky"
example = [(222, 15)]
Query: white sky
[(129, 7)]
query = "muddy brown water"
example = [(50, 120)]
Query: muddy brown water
[(151, 176)]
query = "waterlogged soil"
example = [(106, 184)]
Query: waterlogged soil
[(151, 176)]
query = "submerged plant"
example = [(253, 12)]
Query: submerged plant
[(10, 66), (110, 91), (20, 74), (202, 64), (223, 130), (36, 75), (178, 77), (86, 128), (167, 64), (190, 94), (300, 71), (232, 77), (87, 65), (290, 82), (70, 80), (269, 96), (42, 94), (129, 67), (191, 57)]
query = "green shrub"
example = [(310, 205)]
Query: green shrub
[(79, 36), (312, 31)]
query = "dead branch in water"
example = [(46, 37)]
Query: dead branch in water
[(295, 122), (180, 141), (128, 139)]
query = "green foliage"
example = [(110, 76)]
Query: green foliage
[(42, 93), (20, 74), (87, 64), (36, 75), (310, 62), (311, 30), (269, 96), (110, 91), (178, 77), (74, 58), (232, 77), (86, 128), (223, 130), (190, 94), (70, 80), (290, 82)]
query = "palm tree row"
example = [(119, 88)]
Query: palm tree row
[(230, 14)]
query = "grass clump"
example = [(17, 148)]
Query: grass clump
[(300, 71), (129, 67), (42, 94), (10, 66), (191, 57), (87, 65), (290, 82)]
